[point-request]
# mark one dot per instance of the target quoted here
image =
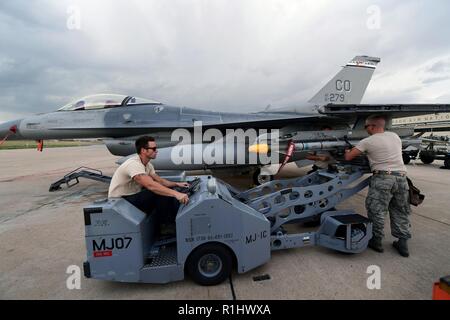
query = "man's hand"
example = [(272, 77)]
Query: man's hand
[(182, 184), (182, 198), (351, 154)]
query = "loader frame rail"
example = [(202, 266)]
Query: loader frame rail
[(294, 200)]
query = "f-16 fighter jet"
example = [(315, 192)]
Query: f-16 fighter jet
[(191, 139)]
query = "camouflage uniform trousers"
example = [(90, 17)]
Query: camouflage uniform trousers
[(389, 193)]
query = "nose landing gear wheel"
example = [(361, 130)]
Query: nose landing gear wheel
[(210, 264), (406, 159)]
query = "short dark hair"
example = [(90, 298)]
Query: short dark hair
[(142, 142), (377, 120)]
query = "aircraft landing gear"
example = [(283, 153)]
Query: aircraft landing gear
[(406, 158), (427, 157), (447, 163)]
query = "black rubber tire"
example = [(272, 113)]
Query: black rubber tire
[(406, 158), (426, 157), (447, 163), (220, 253)]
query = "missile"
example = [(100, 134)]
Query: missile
[(264, 148)]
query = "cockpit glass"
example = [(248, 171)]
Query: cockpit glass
[(136, 100), (101, 101), (98, 101)]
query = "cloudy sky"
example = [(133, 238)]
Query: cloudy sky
[(235, 55)]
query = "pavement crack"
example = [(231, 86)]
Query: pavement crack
[(429, 218), (232, 288)]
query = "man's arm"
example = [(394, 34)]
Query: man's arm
[(147, 182), (164, 182), (167, 183), (352, 154)]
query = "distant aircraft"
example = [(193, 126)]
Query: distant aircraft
[(119, 119)]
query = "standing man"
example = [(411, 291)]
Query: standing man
[(137, 182), (388, 191)]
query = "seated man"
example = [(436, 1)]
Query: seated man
[(137, 182)]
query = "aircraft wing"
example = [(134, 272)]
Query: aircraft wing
[(392, 110), (435, 141)]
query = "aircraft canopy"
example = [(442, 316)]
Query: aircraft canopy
[(102, 101)]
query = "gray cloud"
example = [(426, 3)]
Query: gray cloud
[(435, 79), (220, 55), (437, 71), (440, 66)]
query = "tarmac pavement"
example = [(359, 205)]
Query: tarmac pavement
[(42, 234)]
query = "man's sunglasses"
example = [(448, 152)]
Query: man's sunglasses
[(152, 148), (368, 125)]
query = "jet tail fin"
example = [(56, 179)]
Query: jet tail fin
[(350, 84)]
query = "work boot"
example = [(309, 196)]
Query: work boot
[(375, 244), (402, 247)]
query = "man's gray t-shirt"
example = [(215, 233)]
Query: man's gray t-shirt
[(122, 182), (384, 151)]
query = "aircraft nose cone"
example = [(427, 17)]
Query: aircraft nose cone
[(10, 130)]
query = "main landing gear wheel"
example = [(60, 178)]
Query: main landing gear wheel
[(427, 157), (447, 163), (210, 264)]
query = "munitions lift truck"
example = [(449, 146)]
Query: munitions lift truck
[(221, 228)]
